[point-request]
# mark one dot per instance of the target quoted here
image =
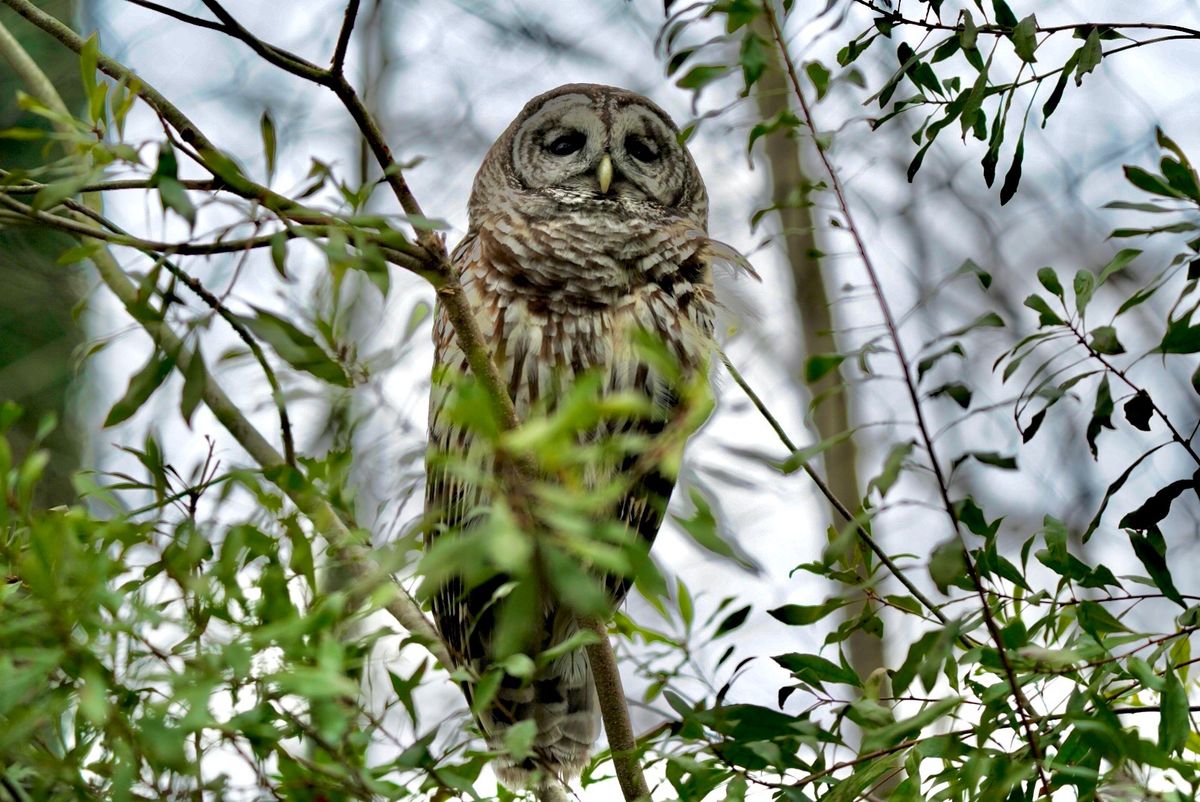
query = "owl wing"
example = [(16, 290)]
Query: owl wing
[(451, 500)]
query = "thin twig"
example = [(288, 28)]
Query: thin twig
[(829, 495), (1004, 30), (338, 64)]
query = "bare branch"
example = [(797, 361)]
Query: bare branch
[(343, 40)]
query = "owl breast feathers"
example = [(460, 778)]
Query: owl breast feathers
[(588, 222)]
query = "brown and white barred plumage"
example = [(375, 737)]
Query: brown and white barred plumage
[(561, 271)]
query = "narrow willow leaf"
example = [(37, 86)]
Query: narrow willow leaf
[(194, 381), (141, 386)]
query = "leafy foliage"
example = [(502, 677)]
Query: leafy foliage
[(161, 623)]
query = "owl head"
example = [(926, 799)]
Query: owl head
[(586, 146)]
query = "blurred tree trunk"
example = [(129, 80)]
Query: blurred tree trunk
[(37, 331), (790, 193)]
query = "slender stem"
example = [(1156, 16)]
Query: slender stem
[(615, 712), (1023, 707), (338, 63), (831, 497)]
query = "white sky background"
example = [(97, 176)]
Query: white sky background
[(453, 84)]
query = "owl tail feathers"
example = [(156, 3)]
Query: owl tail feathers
[(562, 703)]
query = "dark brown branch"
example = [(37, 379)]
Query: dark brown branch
[(274, 55), (338, 64)]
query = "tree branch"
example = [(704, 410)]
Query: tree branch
[(615, 712), (338, 64)]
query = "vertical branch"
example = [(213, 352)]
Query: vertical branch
[(615, 712), (1023, 708), (337, 66)]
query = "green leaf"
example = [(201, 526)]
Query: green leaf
[(1174, 724), (796, 615), (1148, 182), (279, 253), (1090, 53), (1151, 549), (818, 365), (1046, 315), (1104, 341), (1181, 337), (701, 75), (141, 386), (819, 75), (295, 347), (1060, 86), (1158, 506), (959, 392), (814, 669), (947, 564), (267, 127), (892, 465), (518, 739), (732, 621), (1138, 410), (968, 34), (1012, 178), (906, 728), (1024, 39), (1004, 15), (785, 120), (1085, 285), (1101, 414), (55, 193), (1049, 279), (89, 58), (1096, 620), (194, 381), (704, 529), (174, 197)]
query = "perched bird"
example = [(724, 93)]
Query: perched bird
[(587, 222)]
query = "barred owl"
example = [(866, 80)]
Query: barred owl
[(588, 221)]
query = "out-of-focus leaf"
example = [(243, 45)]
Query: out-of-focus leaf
[(1104, 341), (814, 669), (796, 615), (295, 347), (141, 386)]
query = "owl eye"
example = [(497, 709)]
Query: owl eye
[(568, 143), (641, 149)]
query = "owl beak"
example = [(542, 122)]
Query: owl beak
[(604, 173)]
